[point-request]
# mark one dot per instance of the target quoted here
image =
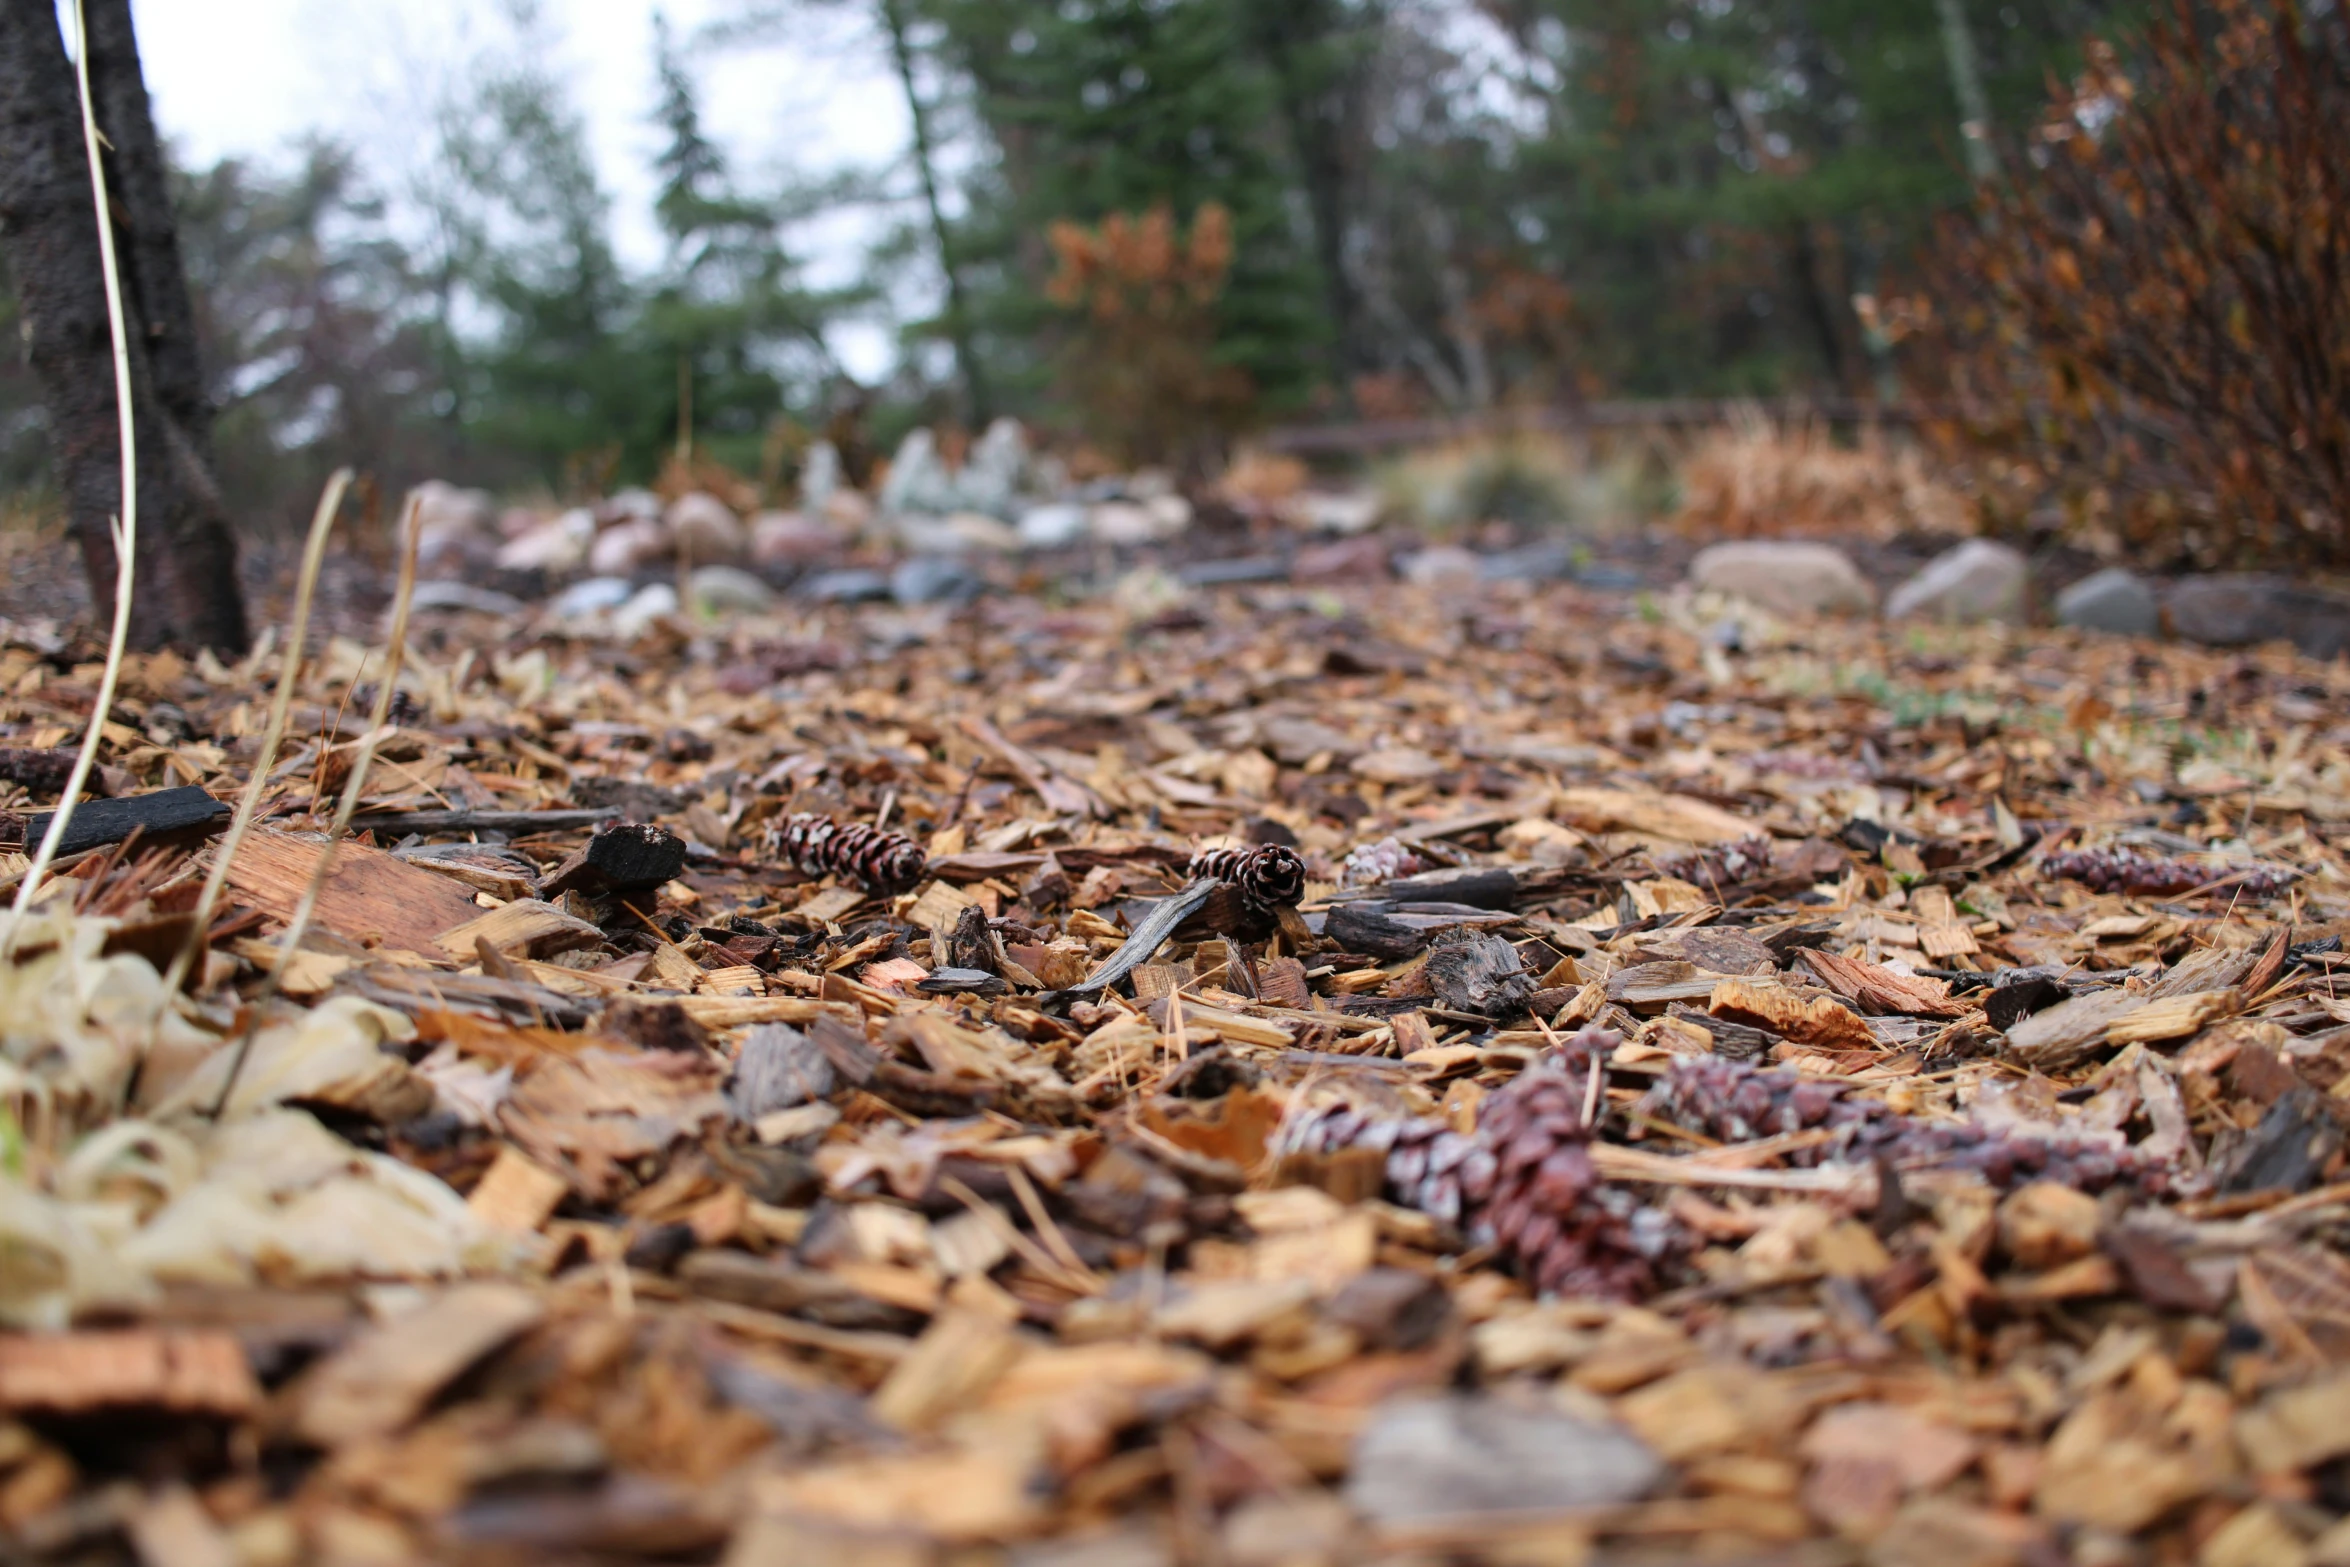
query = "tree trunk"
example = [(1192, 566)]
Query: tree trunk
[(186, 592), (901, 50)]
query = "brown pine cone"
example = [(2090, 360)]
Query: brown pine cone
[(885, 862)]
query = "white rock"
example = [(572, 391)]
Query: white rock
[(628, 503), (1172, 512), (628, 546), (705, 528), (1052, 527), (727, 590), (464, 596), (1126, 522), (589, 596), (1340, 511), (918, 479), (655, 602), (1788, 577), (990, 479), (557, 544), (1979, 580), (1444, 564), (456, 529), (790, 538), (819, 476)]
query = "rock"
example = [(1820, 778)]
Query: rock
[(1979, 580), (1549, 561), (1788, 577), (791, 538), (628, 547), (2116, 600), (965, 530), (628, 506), (819, 477), (464, 596), (2241, 608), (592, 596), (1136, 522), (705, 528), (1445, 565), (918, 479), (851, 585), (1172, 512), (1348, 560), (456, 529), (728, 590), (1052, 527), (1421, 1460), (1225, 573), (1341, 511), (557, 544), (643, 608), (934, 579), (990, 479)]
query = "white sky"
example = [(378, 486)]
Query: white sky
[(250, 77)]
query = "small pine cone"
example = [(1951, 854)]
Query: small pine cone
[(1387, 860), (885, 862), (1269, 876), (2141, 875), (43, 771)]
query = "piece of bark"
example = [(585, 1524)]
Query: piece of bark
[(1821, 1022), (502, 873), (1369, 928), (155, 815), (383, 1380), (2019, 993), (626, 857), (526, 928), (521, 823), (778, 1067), (2288, 1148), (656, 1025), (370, 897), (845, 1046), (45, 770), (1477, 973), (175, 1370), (973, 944), (1878, 990)]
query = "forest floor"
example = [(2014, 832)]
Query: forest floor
[(1724, 1091)]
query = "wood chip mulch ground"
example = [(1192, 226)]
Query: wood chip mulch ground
[(1644, 1086)]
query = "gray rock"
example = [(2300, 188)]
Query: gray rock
[(464, 596), (1345, 560), (1788, 577), (1425, 1459), (791, 538), (728, 590), (1979, 580), (850, 585), (991, 478), (1549, 561), (1052, 527), (2116, 600), (918, 479), (1608, 579), (706, 528), (2238, 609), (934, 579), (1223, 573), (589, 597)]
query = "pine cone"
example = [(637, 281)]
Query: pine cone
[(1740, 1103), (884, 862), (1525, 1183), (2124, 870), (1268, 877)]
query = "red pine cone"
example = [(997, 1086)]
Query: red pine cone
[(885, 862)]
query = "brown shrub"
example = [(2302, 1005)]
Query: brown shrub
[(2151, 321)]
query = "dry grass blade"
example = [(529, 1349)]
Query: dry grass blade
[(313, 557), (126, 531)]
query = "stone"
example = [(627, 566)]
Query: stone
[(1441, 565), (1346, 560), (590, 596), (965, 530), (627, 505), (645, 606), (1051, 527), (1339, 511), (918, 479), (1788, 577), (819, 477), (2238, 609), (555, 544), (850, 585), (1980, 580), (2116, 600), (464, 596), (934, 579), (727, 590), (1132, 522), (1552, 560), (628, 547), (705, 529), (456, 529), (990, 480), (791, 538), (1421, 1460)]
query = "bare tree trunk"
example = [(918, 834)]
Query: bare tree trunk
[(901, 51), (186, 591)]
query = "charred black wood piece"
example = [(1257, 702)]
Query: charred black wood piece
[(96, 823), (625, 857)]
